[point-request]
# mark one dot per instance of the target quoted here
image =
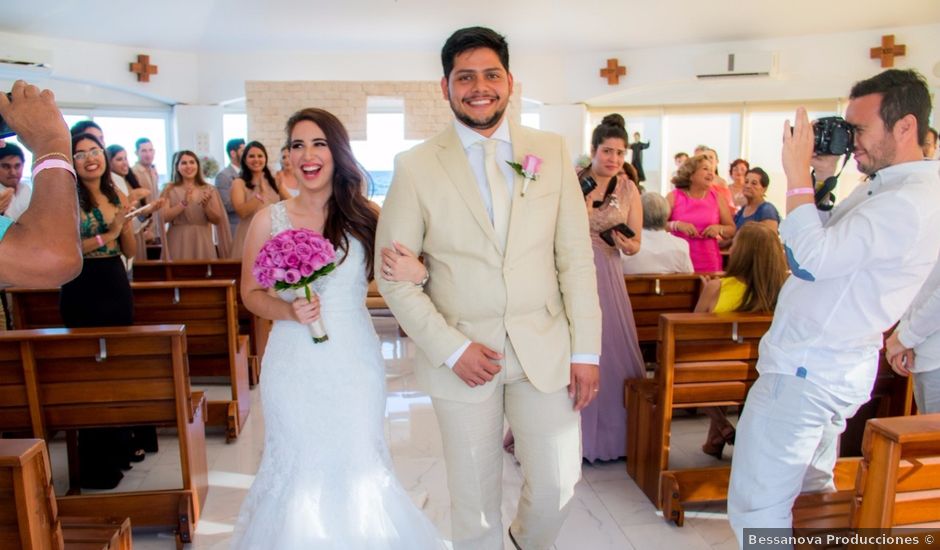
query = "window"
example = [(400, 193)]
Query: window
[(234, 125), (124, 128), (385, 138)]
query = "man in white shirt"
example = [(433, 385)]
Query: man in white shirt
[(914, 346), (14, 194), (854, 274), (224, 179)]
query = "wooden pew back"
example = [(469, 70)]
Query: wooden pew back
[(99, 377), (207, 308), (704, 359), (653, 295)]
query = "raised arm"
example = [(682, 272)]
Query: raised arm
[(42, 247)]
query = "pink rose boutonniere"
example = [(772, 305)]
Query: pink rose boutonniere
[(529, 170)]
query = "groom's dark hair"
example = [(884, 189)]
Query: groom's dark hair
[(472, 38)]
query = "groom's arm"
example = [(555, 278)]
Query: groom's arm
[(574, 260), (402, 220)]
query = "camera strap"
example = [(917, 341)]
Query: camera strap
[(824, 196)]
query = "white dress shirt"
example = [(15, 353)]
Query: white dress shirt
[(661, 252), (853, 277), (20, 201), (473, 146), (919, 329)]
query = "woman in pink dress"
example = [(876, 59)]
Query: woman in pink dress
[(698, 214)]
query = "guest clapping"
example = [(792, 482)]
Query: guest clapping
[(698, 214), (193, 207), (253, 189)]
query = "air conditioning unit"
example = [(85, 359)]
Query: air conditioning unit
[(736, 65), (24, 63)]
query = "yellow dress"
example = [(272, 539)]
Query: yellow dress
[(731, 295)]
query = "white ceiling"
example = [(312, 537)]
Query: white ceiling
[(532, 26)]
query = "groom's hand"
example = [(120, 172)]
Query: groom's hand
[(585, 379), (476, 367)]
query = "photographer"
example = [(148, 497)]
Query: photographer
[(41, 248), (854, 272)]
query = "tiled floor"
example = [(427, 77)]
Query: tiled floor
[(609, 510)]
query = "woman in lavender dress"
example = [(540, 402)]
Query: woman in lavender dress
[(604, 421)]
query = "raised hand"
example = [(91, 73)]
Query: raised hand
[(34, 117)]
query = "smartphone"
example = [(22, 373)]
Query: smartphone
[(608, 237), (5, 130)]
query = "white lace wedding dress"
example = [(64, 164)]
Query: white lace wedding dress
[(326, 478)]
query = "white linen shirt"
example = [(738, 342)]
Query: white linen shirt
[(473, 146), (853, 277), (919, 329)]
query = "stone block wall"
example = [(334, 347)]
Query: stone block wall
[(269, 104)]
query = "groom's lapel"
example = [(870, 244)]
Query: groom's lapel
[(454, 160), (522, 145)]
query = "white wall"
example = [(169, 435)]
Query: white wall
[(820, 66)]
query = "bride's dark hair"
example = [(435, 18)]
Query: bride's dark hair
[(348, 209)]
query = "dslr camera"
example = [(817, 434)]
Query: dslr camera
[(833, 136)]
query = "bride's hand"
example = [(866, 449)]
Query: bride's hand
[(400, 264), (306, 312)]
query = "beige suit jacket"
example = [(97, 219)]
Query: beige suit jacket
[(542, 292)]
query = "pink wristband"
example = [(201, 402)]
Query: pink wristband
[(801, 191), (99, 239), (53, 163)]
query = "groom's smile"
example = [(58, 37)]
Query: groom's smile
[(478, 89)]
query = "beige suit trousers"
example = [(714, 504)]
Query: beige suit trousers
[(548, 446)]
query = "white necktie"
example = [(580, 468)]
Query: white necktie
[(499, 191)]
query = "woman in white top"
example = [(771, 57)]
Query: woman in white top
[(661, 252)]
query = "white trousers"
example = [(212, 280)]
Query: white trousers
[(927, 391), (547, 431), (787, 443)]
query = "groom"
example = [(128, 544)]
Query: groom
[(509, 322)]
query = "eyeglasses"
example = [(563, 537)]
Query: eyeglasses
[(91, 153)]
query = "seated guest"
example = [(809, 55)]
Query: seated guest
[(756, 271), (699, 215), (661, 252), (192, 209), (757, 208)]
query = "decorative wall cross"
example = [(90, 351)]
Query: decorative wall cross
[(887, 51), (143, 69), (613, 72)]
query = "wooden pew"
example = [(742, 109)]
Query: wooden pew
[(249, 323), (653, 295), (200, 270), (207, 308), (69, 379), (896, 485), (705, 359), (29, 517)]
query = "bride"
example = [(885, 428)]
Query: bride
[(326, 478)]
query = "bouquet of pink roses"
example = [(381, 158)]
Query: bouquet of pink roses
[(293, 260)]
